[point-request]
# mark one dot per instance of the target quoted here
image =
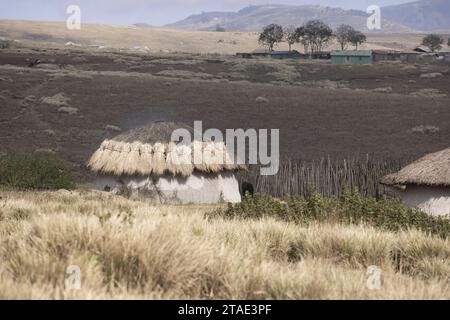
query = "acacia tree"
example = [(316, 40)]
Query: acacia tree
[(291, 36), (303, 38), (317, 34), (433, 41), (357, 38), (344, 35), (271, 35)]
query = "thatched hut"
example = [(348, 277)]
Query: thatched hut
[(144, 163), (424, 184)]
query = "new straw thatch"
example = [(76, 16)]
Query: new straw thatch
[(431, 170), (149, 151)]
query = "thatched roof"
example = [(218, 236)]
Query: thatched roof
[(431, 170), (149, 151)]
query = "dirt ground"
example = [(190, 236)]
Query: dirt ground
[(74, 99)]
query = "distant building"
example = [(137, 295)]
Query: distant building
[(386, 55), (422, 49), (424, 184), (411, 57), (429, 57), (444, 54), (426, 55), (280, 55), (352, 57), (323, 55), (444, 51)]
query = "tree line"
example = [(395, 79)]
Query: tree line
[(313, 36), (434, 42)]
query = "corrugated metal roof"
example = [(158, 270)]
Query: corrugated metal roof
[(284, 52), (275, 53), (352, 53), (422, 49)]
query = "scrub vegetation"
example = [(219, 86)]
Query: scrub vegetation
[(34, 171), (128, 249)]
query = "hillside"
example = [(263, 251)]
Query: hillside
[(425, 15), (254, 18), (148, 39)]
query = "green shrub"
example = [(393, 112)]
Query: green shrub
[(348, 208), (36, 171), (5, 44)]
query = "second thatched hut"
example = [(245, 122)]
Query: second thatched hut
[(145, 163), (424, 184)]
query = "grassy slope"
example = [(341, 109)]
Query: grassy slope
[(156, 39), (134, 250)]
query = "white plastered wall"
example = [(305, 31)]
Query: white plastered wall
[(204, 188), (432, 200)]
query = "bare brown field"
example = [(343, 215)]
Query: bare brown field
[(75, 99), (133, 250)]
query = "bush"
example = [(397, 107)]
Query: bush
[(220, 28), (5, 44), (348, 208), (37, 171)]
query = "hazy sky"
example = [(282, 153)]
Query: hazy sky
[(155, 12)]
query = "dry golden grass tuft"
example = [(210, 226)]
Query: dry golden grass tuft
[(129, 249)]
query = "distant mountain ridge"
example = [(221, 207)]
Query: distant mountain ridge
[(424, 15), (400, 18), (254, 18)]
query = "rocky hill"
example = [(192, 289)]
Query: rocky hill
[(253, 18), (425, 15)]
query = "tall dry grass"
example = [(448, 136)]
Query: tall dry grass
[(131, 250)]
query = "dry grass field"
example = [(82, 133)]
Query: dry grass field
[(55, 34), (128, 250)]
